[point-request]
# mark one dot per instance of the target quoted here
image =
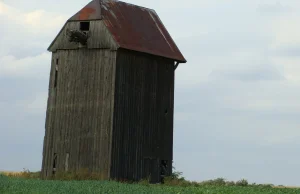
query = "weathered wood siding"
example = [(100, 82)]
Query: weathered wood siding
[(143, 116), (99, 37), (80, 111)]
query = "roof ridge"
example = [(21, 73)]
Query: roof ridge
[(132, 5)]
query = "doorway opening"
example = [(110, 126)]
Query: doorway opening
[(163, 170), (54, 165)]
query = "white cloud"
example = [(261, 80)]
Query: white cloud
[(286, 30), (36, 105), (38, 21), (37, 67), (285, 43), (26, 37)]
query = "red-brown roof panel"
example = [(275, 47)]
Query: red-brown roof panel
[(133, 27), (91, 11)]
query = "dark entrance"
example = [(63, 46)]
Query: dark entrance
[(163, 170), (54, 164), (152, 170)]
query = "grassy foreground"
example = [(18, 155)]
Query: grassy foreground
[(15, 185)]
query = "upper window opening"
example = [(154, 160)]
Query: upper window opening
[(84, 26)]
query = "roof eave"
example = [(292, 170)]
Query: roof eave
[(49, 48)]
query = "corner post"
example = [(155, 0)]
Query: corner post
[(176, 65)]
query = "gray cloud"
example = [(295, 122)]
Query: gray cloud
[(259, 73), (273, 8), (22, 52), (66, 6), (287, 51), (229, 141), (233, 160), (236, 116)]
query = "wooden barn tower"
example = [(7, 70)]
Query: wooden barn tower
[(111, 94)]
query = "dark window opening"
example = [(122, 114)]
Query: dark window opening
[(55, 79), (54, 163), (84, 26), (56, 73)]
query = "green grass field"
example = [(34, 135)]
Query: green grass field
[(14, 185)]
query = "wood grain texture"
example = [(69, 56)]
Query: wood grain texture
[(79, 113), (143, 116), (99, 37)]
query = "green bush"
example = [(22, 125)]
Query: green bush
[(230, 183), (176, 174), (242, 183)]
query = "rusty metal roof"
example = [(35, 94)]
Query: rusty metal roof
[(132, 27)]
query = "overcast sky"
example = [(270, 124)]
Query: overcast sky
[(237, 100)]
